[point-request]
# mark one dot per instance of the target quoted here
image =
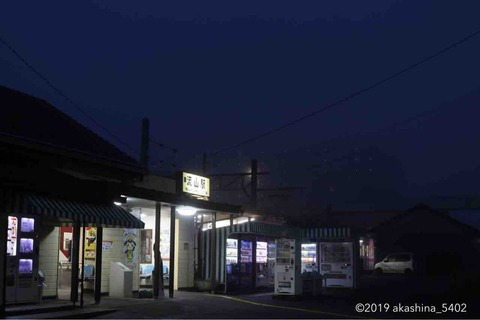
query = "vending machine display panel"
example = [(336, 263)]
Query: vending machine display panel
[(26, 245), (25, 266), (27, 225)]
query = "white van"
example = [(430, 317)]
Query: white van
[(400, 262)]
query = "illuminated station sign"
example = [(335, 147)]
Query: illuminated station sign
[(195, 185)]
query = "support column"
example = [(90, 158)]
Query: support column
[(158, 290), (172, 252), (98, 265), (201, 253), (3, 249), (213, 253), (75, 261), (82, 271), (254, 263)]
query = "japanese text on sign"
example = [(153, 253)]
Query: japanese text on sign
[(194, 184)]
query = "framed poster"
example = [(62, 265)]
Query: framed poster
[(90, 242), (146, 246), (130, 246)]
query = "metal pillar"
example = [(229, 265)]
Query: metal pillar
[(98, 265), (82, 272), (158, 290), (171, 277), (213, 253), (3, 249), (75, 260)]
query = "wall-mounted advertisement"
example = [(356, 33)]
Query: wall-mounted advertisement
[(146, 246), (107, 245), (130, 246), (165, 244), (90, 242), (12, 236)]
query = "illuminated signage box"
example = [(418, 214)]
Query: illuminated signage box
[(193, 184)]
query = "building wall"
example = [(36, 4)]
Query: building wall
[(48, 259)]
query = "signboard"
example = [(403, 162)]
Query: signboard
[(196, 185)]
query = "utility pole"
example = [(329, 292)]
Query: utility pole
[(144, 142), (204, 166), (254, 185)]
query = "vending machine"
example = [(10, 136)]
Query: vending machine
[(246, 263), (261, 264), (336, 264), (22, 260), (309, 257), (231, 264), (287, 267)]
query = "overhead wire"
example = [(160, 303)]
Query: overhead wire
[(352, 95)]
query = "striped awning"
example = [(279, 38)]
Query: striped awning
[(327, 233), (85, 213)]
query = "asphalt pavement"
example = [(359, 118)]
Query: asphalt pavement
[(377, 297)]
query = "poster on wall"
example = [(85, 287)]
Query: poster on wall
[(90, 242), (146, 246), (165, 244), (107, 245), (12, 236), (130, 246)]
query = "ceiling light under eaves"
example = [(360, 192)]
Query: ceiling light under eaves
[(186, 211)]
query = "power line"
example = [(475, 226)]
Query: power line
[(162, 145), (351, 96), (57, 90)]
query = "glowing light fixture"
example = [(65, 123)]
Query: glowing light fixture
[(186, 211), (118, 203)]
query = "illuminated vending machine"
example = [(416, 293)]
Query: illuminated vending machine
[(287, 268), (232, 264), (22, 260), (309, 257), (261, 264), (336, 264), (246, 262)]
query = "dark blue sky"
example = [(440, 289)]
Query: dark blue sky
[(210, 74)]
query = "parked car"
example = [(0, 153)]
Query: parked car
[(399, 262)]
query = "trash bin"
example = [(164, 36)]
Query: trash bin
[(40, 285)]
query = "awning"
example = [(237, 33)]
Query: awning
[(85, 213)]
